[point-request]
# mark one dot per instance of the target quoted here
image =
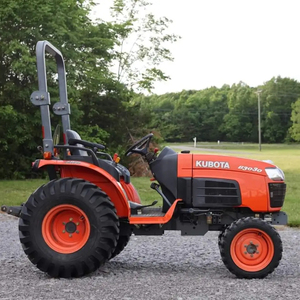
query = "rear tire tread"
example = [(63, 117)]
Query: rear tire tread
[(101, 207)]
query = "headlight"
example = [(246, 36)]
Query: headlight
[(275, 174)]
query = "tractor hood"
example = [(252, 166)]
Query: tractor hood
[(188, 165), (196, 162), (181, 174)]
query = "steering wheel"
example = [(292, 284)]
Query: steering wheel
[(141, 146)]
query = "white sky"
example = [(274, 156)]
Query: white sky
[(227, 41)]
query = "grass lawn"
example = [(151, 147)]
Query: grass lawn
[(15, 192), (287, 157)]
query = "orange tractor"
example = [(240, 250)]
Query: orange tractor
[(85, 215)]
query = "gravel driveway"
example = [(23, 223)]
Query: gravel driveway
[(166, 267)]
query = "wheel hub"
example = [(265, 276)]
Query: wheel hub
[(251, 248), (71, 227)]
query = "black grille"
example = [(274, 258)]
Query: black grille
[(215, 192), (277, 194)]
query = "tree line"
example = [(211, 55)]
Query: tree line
[(107, 82), (229, 113)]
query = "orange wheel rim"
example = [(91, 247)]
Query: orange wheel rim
[(252, 250), (66, 228)]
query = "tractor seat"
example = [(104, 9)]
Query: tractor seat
[(71, 134)]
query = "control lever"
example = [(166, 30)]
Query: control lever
[(155, 186)]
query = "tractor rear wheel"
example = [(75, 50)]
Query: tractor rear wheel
[(123, 240), (251, 248), (68, 227)]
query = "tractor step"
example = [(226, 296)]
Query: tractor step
[(149, 212), (152, 215)]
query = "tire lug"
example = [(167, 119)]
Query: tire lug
[(64, 231), (70, 235), (245, 246), (257, 252), (251, 255), (64, 223), (245, 252), (77, 223), (71, 219), (77, 231)]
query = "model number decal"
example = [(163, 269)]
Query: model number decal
[(212, 164), (244, 168)]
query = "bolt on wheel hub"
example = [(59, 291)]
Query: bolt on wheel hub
[(71, 227), (251, 248)]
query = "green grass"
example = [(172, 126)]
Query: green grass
[(287, 157), (15, 192)]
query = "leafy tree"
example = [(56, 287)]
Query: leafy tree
[(240, 124), (65, 24), (277, 97), (142, 41), (295, 118)]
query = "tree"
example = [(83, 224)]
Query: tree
[(141, 44), (86, 48), (240, 123), (295, 118), (277, 97)]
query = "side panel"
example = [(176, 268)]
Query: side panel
[(95, 175), (184, 190), (254, 192), (185, 165)]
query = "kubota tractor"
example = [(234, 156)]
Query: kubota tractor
[(86, 213)]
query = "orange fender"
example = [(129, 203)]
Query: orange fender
[(96, 175), (131, 192)]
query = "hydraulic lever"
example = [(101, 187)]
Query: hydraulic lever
[(155, 186)]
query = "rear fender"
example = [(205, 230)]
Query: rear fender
[(94, 174), (131, 192)]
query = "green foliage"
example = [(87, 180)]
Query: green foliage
[(226, 113), (295, 129), (142, 41), (65, 24), (240, 124), (105, 106), (277, 97), (100, 99)]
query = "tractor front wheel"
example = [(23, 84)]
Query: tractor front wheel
[(251, 248), (68, 228)]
